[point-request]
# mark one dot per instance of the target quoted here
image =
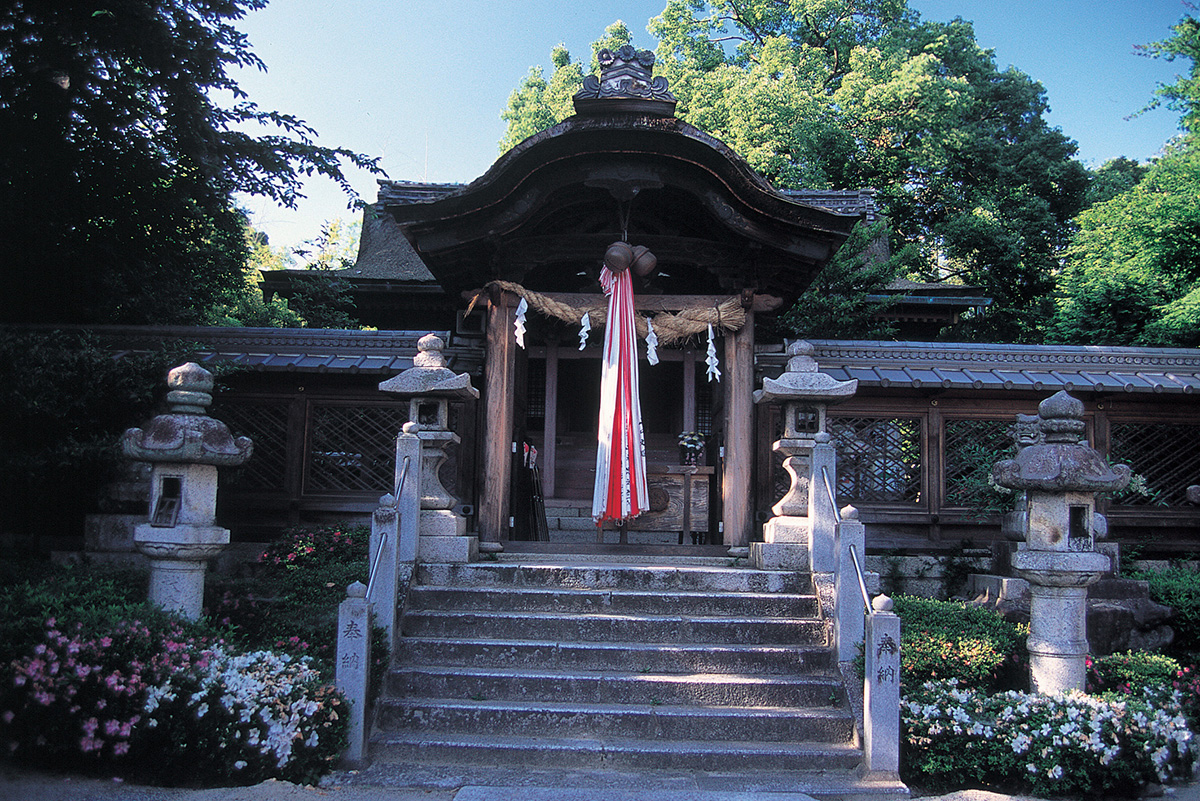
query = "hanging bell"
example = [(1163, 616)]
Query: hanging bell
[(644, 261), (618, 257)]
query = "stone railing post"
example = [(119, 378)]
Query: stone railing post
[(822, 513), (848, 612), (353, 677), (394, 530), (881, 692)]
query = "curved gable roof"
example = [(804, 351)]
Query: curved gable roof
[(547, 209)]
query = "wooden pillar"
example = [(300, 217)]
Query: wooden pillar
[(689, 389), (549, 461), (737, 514), (499, 377)]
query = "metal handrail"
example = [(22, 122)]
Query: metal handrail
[(862, 583), (400, 482), (383, 535), (858, 568), (837, 515)]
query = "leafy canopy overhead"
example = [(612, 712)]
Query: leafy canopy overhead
[(119, 164), (1133, 269), (846, 94)]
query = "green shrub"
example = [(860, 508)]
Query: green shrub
[(951, 639), (1047, 745), (290, 605), (34, 591), (1179, 588), (1130, 672)]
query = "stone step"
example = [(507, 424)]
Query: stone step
[(593, 687), (614, 601), (617, 656), (601, 576), (584, 553), (525, 753), (823, 724), (610, 627)]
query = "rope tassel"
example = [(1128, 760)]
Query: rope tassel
[(620, 491)]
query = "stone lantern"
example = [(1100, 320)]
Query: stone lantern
[(1060, 477), (184, 448), (430, 386), (794, 539)]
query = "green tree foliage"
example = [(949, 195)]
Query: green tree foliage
[(1133, 268), (243, 303), (63, 409), (845, 295), (119, 165), (324, 300), (1112, 178), (537, 104), (1133, 274), (321, 298), (863, 93)]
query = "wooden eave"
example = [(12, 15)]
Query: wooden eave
[(551, 204)]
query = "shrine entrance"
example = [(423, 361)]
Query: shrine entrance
[(729, 246), (562, 409)]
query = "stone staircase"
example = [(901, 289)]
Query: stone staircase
[(689, 664)]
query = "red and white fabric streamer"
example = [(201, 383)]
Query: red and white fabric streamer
[(620, 492)]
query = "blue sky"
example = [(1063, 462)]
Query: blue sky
[(421, 83)]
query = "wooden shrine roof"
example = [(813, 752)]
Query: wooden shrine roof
[(1034, 368), (545, 212)]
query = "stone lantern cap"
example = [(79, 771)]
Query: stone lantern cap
[(429, 375), (1063, 463), (803, 381), (187, 434)]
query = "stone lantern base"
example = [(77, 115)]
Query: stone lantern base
[(444, 538), (1058, 582), (179, 557), (784, 546)]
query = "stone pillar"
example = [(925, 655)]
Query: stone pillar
[(881, 692), (353, 668), (1060, 477), (430, 387), (849, 610), (184, 447), (395, 529)]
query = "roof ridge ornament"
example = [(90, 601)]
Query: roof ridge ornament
[(625, 85)]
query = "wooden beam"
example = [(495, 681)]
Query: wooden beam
[(737, 500), (499, 377)]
